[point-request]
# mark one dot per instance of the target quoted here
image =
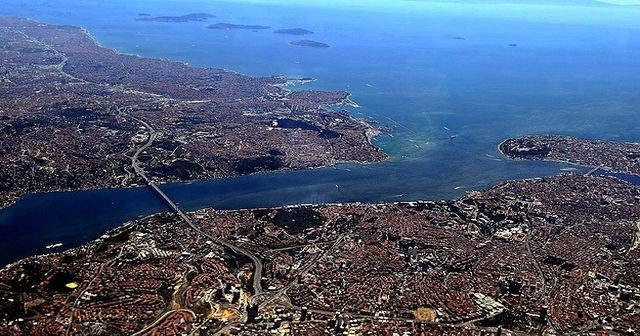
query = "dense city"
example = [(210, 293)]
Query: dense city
[(543, 256), (74, 115), (557, 255)]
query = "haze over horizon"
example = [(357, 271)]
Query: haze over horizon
[(388, 3)]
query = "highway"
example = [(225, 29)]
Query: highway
[(135, 164), (257, 263), (273, 297)]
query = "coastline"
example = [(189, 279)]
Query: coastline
[(128, 224), (114, 231), (294, 205), (412, 244), (164, 183), (97, 43), (370, 131)]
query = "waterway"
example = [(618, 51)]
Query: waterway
[(633, 179), (454, 79)]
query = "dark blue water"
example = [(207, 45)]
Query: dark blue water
[(575, 70), (633, 179), (76, 217)]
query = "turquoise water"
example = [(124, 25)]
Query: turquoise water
[(575, 70)]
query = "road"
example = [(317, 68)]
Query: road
[(135, 164), (162, 317), (257, 263), (86, 288), (636, 240)]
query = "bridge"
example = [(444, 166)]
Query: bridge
[(593, 170), (156, 190)]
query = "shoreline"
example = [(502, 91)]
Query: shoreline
[(164, 183), (370, 133), (109, 232), (370, 130), (126, 225)]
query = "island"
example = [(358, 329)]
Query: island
[(228, 26), (76, 116), (558, 254), (309, 43), (612, 156), (194, 17), (294, 31)]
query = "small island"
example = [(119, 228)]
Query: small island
[(194, 17), (226, 26), (309, 43), (294, 31)]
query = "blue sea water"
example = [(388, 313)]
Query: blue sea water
[(575, 70)]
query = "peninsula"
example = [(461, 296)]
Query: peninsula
[(613, 156)]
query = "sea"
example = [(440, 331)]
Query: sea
[(452, 78)]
